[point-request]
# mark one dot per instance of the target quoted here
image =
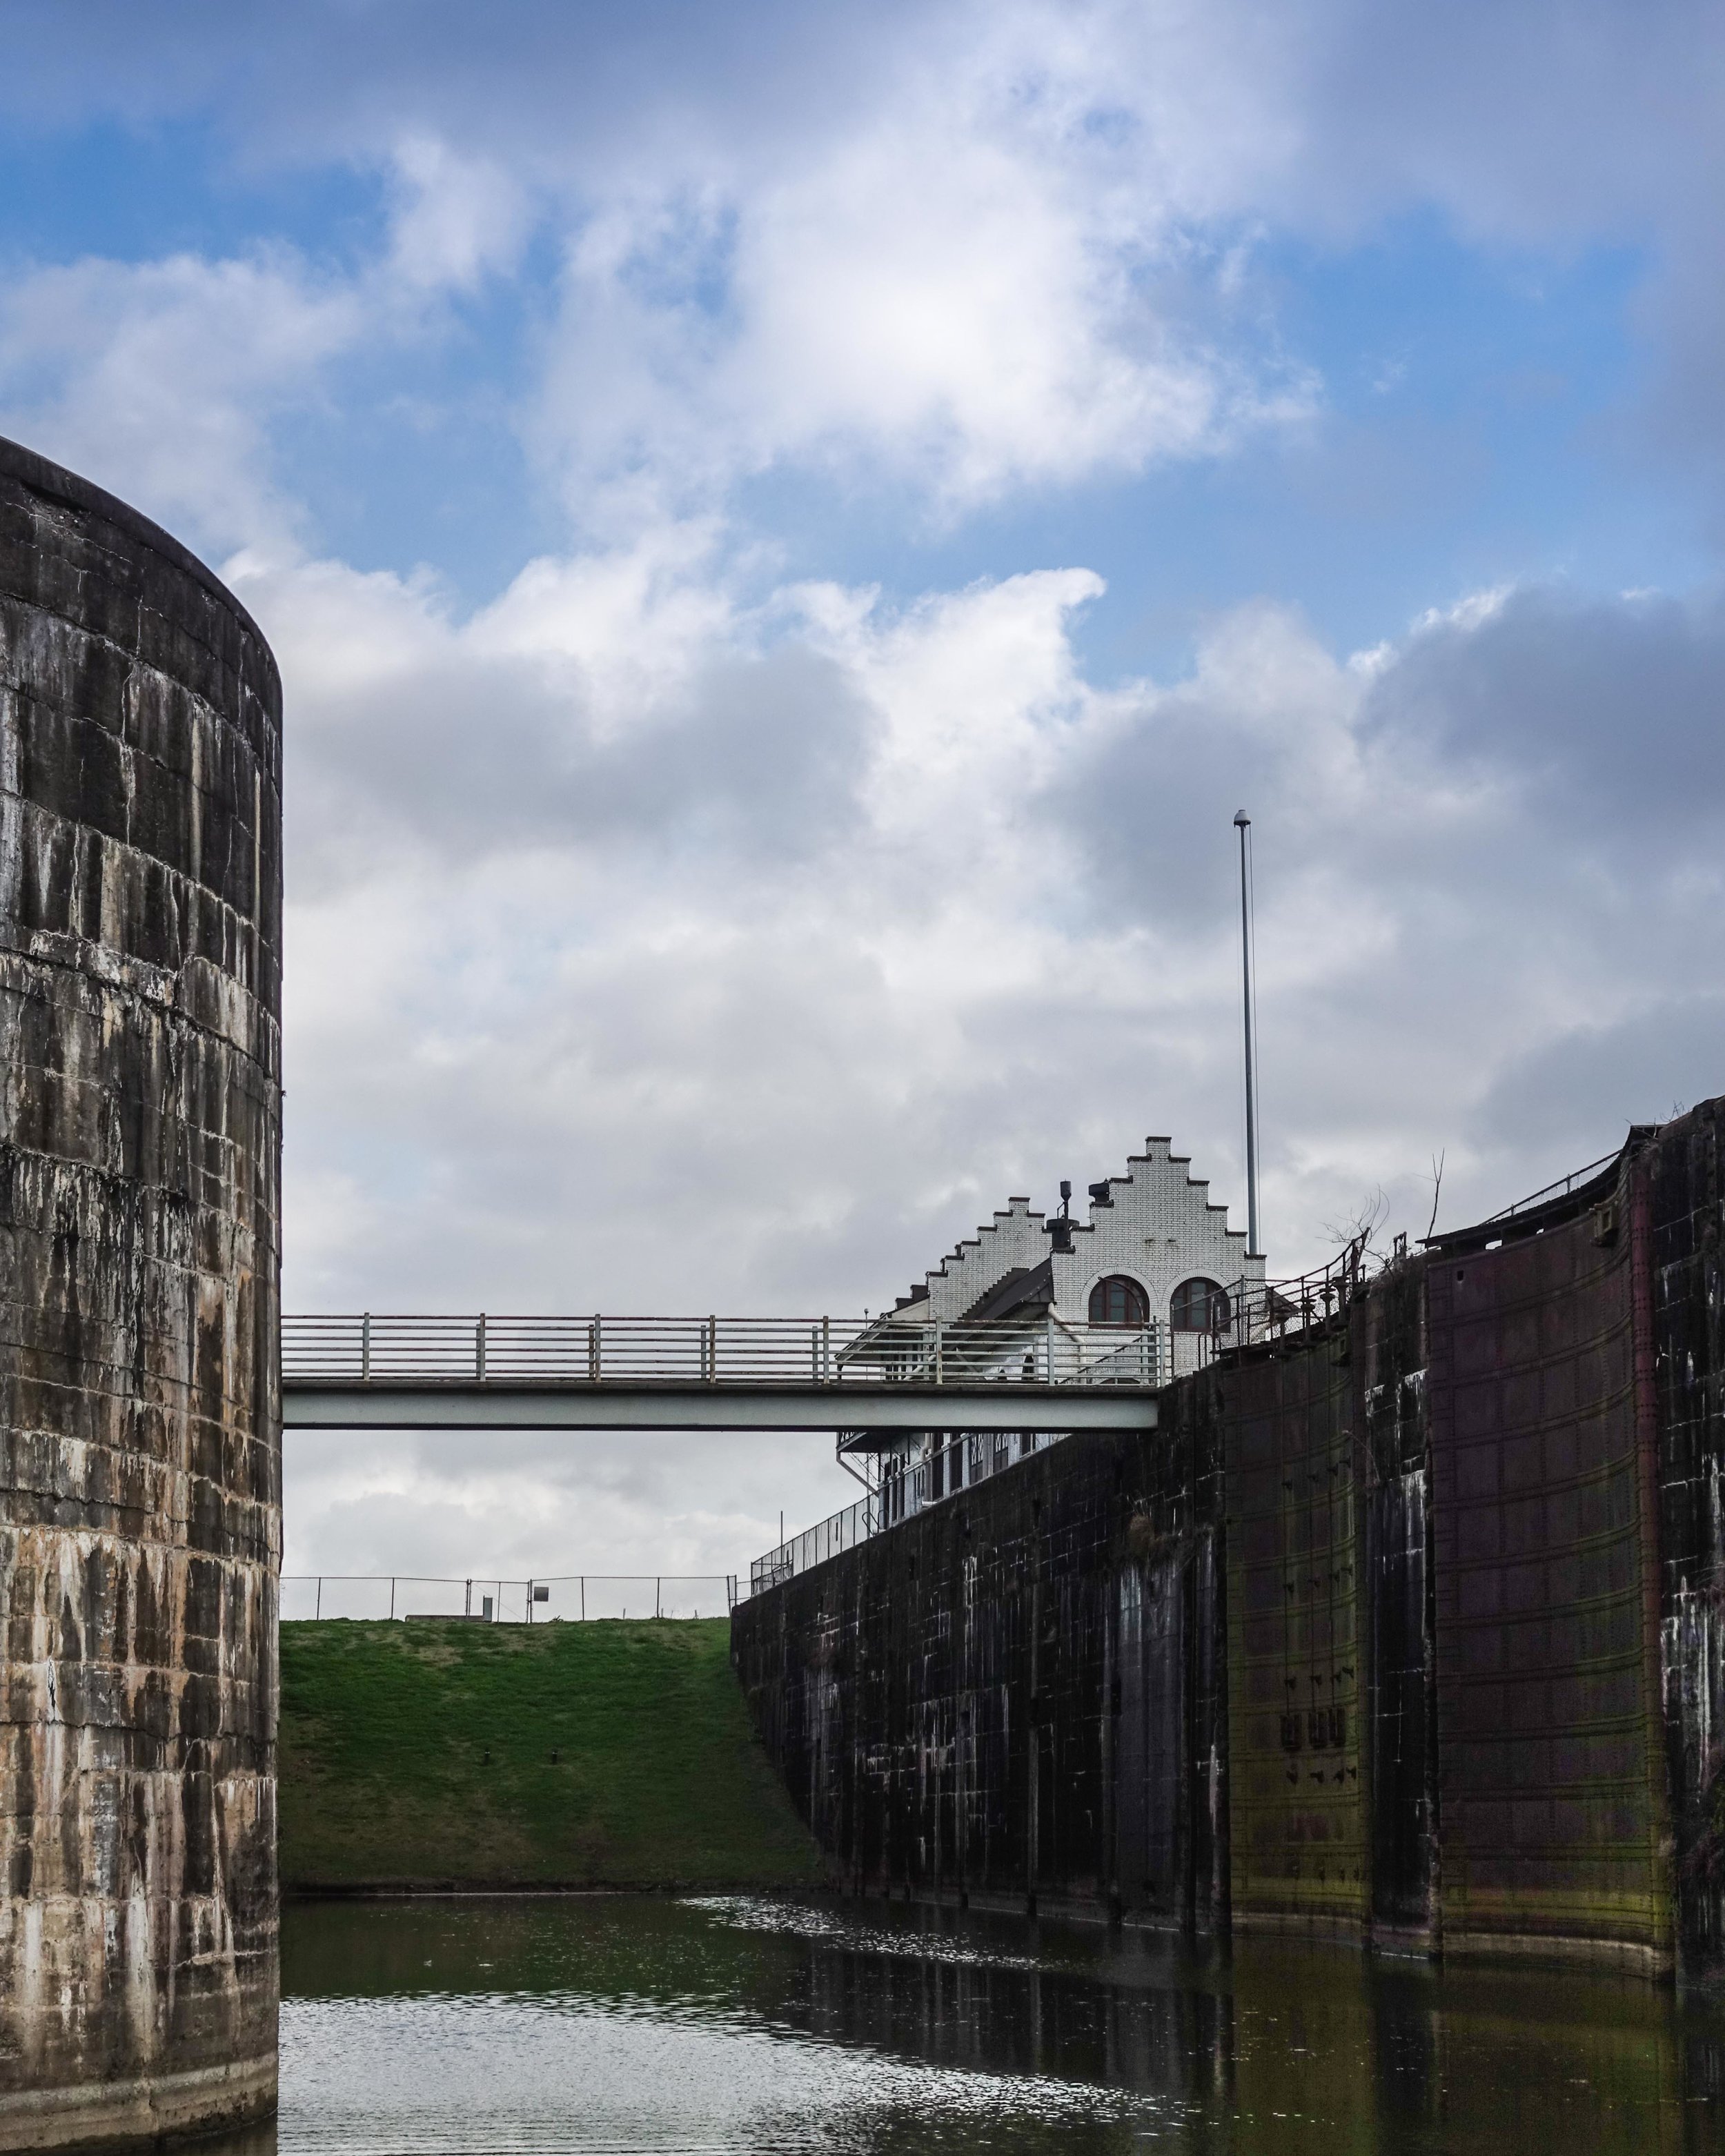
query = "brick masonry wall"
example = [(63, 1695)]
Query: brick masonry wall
[(140, 1443)]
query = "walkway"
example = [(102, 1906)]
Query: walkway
[(370, 1371)]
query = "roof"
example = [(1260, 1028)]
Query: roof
[(1026, 1289)]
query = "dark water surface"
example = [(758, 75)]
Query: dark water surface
[(628, 2023)]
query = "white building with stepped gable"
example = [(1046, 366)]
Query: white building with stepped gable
[(1155, 1263)]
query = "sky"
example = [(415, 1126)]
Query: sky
[(789, 531)]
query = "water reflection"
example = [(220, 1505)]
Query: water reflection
[(632, 2024)]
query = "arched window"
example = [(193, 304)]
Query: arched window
[(1199, 1306), (1118, 1300)]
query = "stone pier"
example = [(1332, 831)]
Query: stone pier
[(139, 1437)]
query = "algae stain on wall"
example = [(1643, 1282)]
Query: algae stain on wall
[(140, 1447), (1407, 1624)]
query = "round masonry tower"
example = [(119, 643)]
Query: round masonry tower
[(139, 1425)]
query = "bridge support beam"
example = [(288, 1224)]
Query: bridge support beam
[(496, 1405)]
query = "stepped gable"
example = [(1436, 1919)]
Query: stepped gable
[(1158, 1224), (1012, 1239)]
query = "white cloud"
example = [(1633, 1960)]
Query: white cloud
[(454, 219), (169, 378), (961, 290), (162, 377), (666, 933), (982, 250), (656, 947)]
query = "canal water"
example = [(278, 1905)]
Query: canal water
[(635, 2022)]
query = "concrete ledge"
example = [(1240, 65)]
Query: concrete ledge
[(1405, 1941), (117, 2114), (1333, 1927), (1632, 1957)]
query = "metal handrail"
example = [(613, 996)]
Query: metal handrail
[(1261, 1311), (373, 1348), (1564, 1185), (971, 1458), (1275, 1310)]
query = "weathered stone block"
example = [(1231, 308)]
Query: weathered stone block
[(139, 1441)]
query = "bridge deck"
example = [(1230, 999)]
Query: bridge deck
[(377, 1372)]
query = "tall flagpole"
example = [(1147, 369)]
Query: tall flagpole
[(1243, 824)]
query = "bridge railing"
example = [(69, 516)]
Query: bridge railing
[(375, 1348)]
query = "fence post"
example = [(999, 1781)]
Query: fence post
[(365, 1349), (317, 1610), (595, 1350), (939, 1354), (479, 1349), (468, 1608), (712, 1351), (826, 1349), (391, 1599), (584, 1598), (656, 1585)]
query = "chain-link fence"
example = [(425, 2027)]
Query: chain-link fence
[(570, 1597)]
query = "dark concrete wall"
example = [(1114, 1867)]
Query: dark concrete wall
[(1392, 1545), (1297, 1647), (1544, 1546), (1409, 1626), (139, 1446), (1019, 1695), (1685, 1185)]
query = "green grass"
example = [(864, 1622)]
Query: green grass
[(604, 1754)]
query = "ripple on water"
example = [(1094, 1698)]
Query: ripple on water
[(805, 1920), (637, 2023), (376, 2076)]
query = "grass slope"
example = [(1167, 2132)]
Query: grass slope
[(610, 1753)]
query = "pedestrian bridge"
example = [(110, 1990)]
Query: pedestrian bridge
[(373, 1371)]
